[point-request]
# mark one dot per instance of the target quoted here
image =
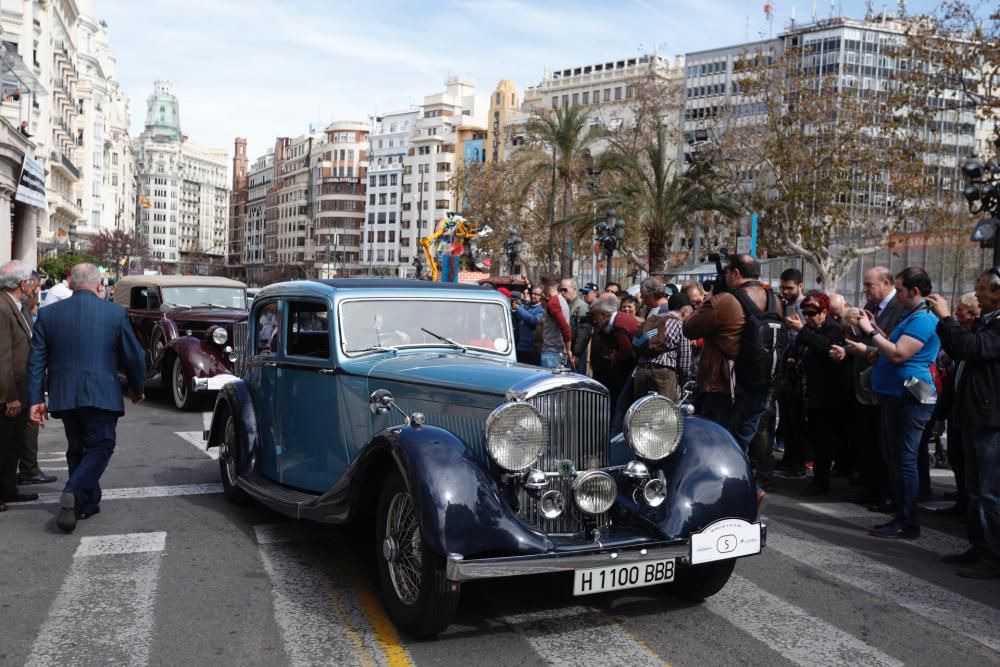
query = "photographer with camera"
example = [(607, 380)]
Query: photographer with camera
[(744, 331)]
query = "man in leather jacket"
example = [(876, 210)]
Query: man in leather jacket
[(977, 392), (720, 321)]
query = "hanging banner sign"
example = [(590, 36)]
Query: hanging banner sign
[(31, 186)]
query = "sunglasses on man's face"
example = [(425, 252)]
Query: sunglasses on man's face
[(563, 289), (810, 313)]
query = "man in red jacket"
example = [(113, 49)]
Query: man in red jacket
[(616, 330)]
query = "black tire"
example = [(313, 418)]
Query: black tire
[(185, 398), (423, 602), (698, 582), (229, 458)]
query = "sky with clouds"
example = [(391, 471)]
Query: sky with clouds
[(266, 68)]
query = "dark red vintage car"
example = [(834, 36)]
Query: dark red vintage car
[(192, 328)]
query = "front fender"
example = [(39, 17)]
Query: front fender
[(198, 358), (457, 502), (234, 398), (708, 478)]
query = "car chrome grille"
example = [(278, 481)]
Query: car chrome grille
[(240, 346), (579, 421)]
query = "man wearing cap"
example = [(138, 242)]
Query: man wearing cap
[(665, 372), (527, 317)]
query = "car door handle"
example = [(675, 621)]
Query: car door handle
[(270, 364), (327, 371)]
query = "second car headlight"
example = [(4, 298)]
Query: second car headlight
[(220, 335), (653, 427), (516, 436)]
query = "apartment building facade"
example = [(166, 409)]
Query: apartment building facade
[(432, 155), (388, 147), (259, 180), (185, 224)]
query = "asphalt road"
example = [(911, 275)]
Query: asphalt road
[(171, 574)]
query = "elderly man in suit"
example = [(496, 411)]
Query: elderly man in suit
[(880, 293), (81, 341), (15, 339)]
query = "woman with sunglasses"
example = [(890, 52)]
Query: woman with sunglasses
[(828, 391)]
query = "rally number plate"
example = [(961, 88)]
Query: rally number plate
[(620, 577)]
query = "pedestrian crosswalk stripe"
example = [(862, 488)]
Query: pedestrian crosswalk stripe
[(132, 543), (579, 635), (103, 613), (939, 605), (138, 492), (311, 608), (791, 631), (197, 439), (931, 540)]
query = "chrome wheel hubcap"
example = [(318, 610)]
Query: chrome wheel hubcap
[(402, 548)]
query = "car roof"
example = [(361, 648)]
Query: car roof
[(390, 283), (124, 286), (331, 287)]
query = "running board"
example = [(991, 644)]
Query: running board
[(281, 497)]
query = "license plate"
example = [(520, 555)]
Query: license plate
[(620, 577)]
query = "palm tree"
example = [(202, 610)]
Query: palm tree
[(558, 149), (652, 191)]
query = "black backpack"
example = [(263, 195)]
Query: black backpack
[(763, 344)]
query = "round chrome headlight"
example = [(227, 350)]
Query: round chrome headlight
[(516, 436), (220, 335), (594, 491), (653, 427)]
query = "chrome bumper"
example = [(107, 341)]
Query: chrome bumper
[(214, 383), (459, 569)]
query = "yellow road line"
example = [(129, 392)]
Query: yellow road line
[(348, 626), (385, 632), (631, 635)]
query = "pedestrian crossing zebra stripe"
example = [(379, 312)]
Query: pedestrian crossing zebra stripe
[(103, 613), (966, 617), (314, 604), (579, 635), (931, 540), (791, 631)]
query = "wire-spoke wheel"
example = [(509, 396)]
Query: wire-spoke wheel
[(228, 459), (184, 396), (418, 596)]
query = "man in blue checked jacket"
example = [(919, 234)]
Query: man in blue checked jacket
[(82, 342)]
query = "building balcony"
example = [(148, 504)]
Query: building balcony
[(64, 208), (62, 163)]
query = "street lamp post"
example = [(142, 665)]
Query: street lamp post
[(982, 191), (512, 248), (610, 235)]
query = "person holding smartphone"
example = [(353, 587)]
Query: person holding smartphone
[(901, 370)]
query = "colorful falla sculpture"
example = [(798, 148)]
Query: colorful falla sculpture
[(448, 243)]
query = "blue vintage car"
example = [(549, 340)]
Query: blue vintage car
[(400, 404)]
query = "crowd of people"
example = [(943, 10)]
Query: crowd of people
[(855, 391)]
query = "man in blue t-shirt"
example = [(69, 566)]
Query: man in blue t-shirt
[(901, 374)]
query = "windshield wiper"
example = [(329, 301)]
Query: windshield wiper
[(211, 305), (375, 348), (445, 339)]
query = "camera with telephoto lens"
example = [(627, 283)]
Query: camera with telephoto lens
[(720, 258)]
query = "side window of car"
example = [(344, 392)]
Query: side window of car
[(308, 333), (268, 328), (138, 298)]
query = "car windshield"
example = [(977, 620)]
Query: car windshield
[(193, 296), (378, 325)]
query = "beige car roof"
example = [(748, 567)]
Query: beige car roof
[(123, 288)]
